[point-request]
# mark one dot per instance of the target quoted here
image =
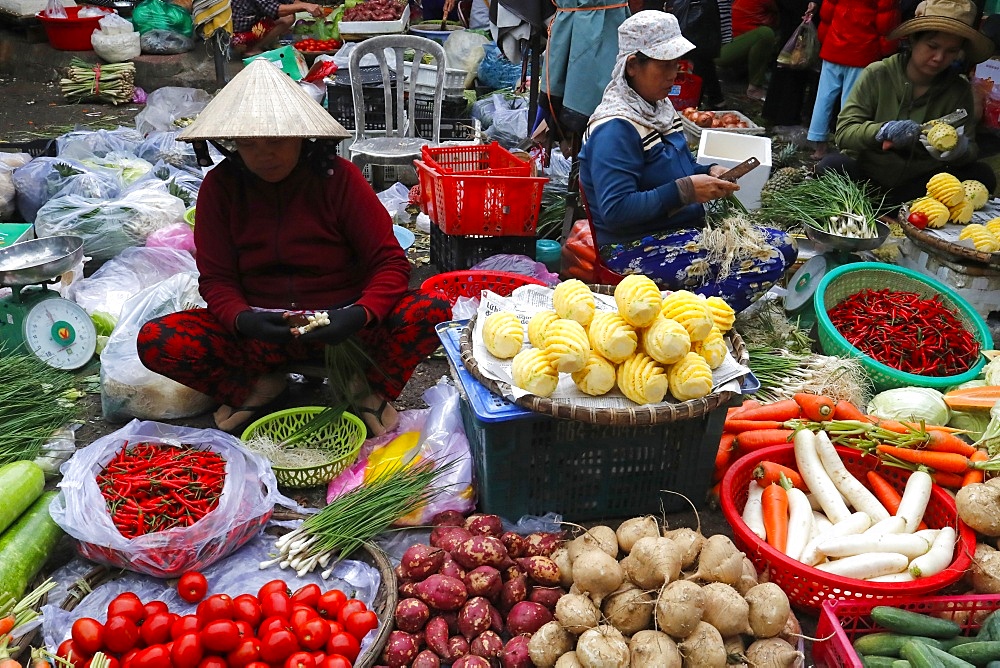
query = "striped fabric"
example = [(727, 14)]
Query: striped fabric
[(726, 20), (211, 16)]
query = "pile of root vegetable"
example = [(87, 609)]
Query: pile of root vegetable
[(640, 596)]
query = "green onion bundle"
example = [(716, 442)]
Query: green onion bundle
[(831, 203), (114, 83), (34, 403), (783, 373)]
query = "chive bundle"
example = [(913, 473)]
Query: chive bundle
[(34, 403), (831, 203)]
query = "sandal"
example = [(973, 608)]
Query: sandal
[(377, 415)]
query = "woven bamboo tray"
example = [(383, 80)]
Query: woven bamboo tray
[(633, 415), (951, 250)]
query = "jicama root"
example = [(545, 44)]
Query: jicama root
[(601, 537), (653, 649), (689, 542), (985, 570), (577, 613), (629, 609), (769, 609), (773, 653), (549, 643), (725, 609), (679, 608), (597, 574), (603, 647), (979, 506), (720, 561), (653, 562), (631, 530), (703, 648)]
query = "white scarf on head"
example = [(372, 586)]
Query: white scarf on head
[(621, 101)]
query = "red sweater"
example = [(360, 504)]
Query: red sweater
[(308, 242), (751, 14), (852, 32)]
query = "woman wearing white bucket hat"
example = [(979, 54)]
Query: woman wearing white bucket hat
[(285, 228), (879, 128), (644, 189)]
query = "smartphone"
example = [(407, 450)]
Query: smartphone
[(741, 169)]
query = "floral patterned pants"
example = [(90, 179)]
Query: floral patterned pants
[(193, 348)]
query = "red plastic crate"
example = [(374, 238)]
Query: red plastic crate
[(807, 588), (471, 282), (477, 159), (843, 622)]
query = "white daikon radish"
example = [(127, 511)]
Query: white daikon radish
[(850, 487), (753, 511), (854, 524), (816, 478), (887, 526), (864, 566), (848, 546), (938, 557), (916, 495)]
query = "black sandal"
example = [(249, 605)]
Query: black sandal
[(377, 413)]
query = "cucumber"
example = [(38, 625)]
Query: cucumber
[(887, 644), (990, 629), (979, 653), (20, 484), (946, 645), (919, 655), (879, 661), (949, 660), (914, 623), (993, 664), (901, 663), (26, 546)]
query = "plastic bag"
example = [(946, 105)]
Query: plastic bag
[(801, 51), (162, 146), (178, 236), (117, 47), (124, 276), (113, 24), (394, 198), (579, 253), (54, 10), (510, 123), (182, 183), (519, 264), (128, 388), (8, 191), (161, 15), (171, 108), (463, 50), (248, 497), (441, 439), (44, 178), (495, 71), (558, 169), (165, 42), (85, 144)]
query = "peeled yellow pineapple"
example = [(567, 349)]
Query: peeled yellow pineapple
[(612, 337), (993, 225), (573, 300), (532, 371), (981, 237), (638, 299), (503, 334), (566, 345), (961, 213), (666, 340), (712, 348), (690, 311), (691, 378), (937, 212), (723, 314), (942, 137), (538, 326), (597, 376), (976, 193), (642, 380), (946, 189)]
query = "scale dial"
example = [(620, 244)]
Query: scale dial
[(60, 333)]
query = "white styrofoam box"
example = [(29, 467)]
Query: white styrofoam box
[(730, 149), (351, 29), (980, 289), (454, 80), (28, 8)]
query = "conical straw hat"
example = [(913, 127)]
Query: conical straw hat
[(262, 101)]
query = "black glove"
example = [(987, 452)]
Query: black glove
[(344, 323), (267, 326)]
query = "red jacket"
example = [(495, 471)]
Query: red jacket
[(751, 14), (308, 242), (852, 32)]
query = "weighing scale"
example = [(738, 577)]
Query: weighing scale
[(37, 319), (832, 251)]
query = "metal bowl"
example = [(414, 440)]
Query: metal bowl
[(849, 244), (39, 260)]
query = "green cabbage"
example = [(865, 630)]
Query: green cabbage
[(911, 403), (991, 372), (975, 422)]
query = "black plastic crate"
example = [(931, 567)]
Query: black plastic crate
[(36, 148), (340, 103), (453, 252)]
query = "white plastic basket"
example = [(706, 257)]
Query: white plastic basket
[(454, 80), (693, 131), (352, 31)]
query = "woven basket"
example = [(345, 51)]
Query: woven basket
[(953, 251), (633, 415), (849, 279), (342, 439)]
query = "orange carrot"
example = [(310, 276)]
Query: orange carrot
[(946, 462), (724, 456), (940, 441), (893, 425), (7, 624), (815, 407), (769, 473), (9, 663), (946, 479), (737, 425), (780, 411), (845, 410), (884, 492), (946, 429), (762, 438), (745, 406), (973, 476), (775, 506)]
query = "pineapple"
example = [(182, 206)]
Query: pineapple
[(783, 178)]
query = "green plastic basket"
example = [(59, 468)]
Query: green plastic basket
[(342, 438), (849, 279), (189, 216)]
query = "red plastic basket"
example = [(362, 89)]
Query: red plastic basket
[(479, 159), (808, 587), (843, 622), (471, 282), (71, 33)]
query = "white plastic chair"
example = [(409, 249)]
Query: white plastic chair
[(400, 145)]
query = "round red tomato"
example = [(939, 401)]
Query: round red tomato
[(192, 586), (335, 661), (272, 624), (185, 624), (68, 650), (276, 604), (153, 607), (216, 606), (257, 664), (307, 595), (127, 657), (246, 652), (335, 627), (155, 656), (273, 585), (213, 662), (220, 636), (301, 614), (88, 635), (300, 660), (277, 646), (313, 633), (156, 629), (246, 631), (246, 608), (344, 644), (120, 634), (353, 605), (918, 219), (128, 605), (330, 603), (358, 624), (187, 651)]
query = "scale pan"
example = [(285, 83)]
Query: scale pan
[(38, 260)]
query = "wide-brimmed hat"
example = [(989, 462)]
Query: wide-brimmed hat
[(263, 101), (656, 34), (955, 17)]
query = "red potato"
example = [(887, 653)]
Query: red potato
[(457, 647), (421, 560), (541, 543), (407, 589), (442, 592), (426, 659), (451, 617), (471, 661), (449, 537), (451, 518), (512, 571), (474, 617), (515, 653), (487, 645), (514, 591), (411, 615), (484, 525), (515, 544), (484, 581), (436, 636), (400, 573), (547, 596), (496, 621), (480, 551), (541, 569), (400, 649), (451, 568), (527, 617)]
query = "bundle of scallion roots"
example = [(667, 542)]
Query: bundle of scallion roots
[(782, 373), (35, 401), (114, 83), (831, 203)]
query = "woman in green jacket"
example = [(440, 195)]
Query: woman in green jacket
[(879, 128)]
